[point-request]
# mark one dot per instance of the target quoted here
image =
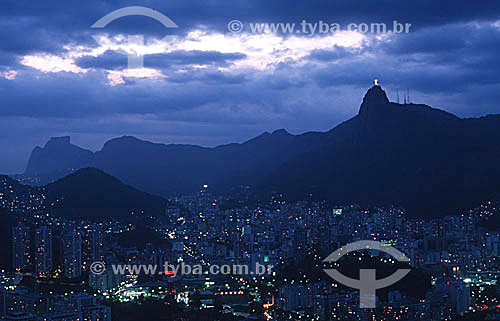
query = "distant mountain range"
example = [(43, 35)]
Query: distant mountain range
[(87, 193), (425, 159)]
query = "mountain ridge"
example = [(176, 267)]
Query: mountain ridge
[(402, 154)]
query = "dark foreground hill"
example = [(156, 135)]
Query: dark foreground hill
[(91, 193), (87, 193), (425, 159)]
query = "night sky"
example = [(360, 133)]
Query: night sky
[(209, 86)]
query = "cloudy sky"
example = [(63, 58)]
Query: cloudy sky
[(206, 85)]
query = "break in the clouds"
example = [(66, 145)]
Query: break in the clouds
[(208, 86)]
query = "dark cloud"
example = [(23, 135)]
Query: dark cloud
[(449, 61), (437, 60), (334, 54), (46, 25), (213, 77), (194, 57), (109, 60), (115, 61)]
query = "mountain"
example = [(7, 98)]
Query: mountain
[(412, 155), (174, 169), (44, 165), (90, 192), (178, 169), (15, 196), (87, 192), (422, 158)]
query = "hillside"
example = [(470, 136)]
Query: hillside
[(413, 155), (90, 192)]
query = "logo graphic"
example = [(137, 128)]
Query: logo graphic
[(98, 268), (135, 59), (235, 26), (367, 283)]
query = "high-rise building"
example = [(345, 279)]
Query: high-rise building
[(105, 281), (493, 245), (460, 297), (323, 307), (25, 305), (21, 247), (173, 212), (43, 250), (293, 297), (72, 251), (93, 243), (91, 310)]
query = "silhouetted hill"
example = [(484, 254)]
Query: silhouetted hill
[(56, 159), (423, 158), (15, 196), (10, 188), (90, 192)]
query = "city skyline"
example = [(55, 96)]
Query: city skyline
[(260, 160)]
